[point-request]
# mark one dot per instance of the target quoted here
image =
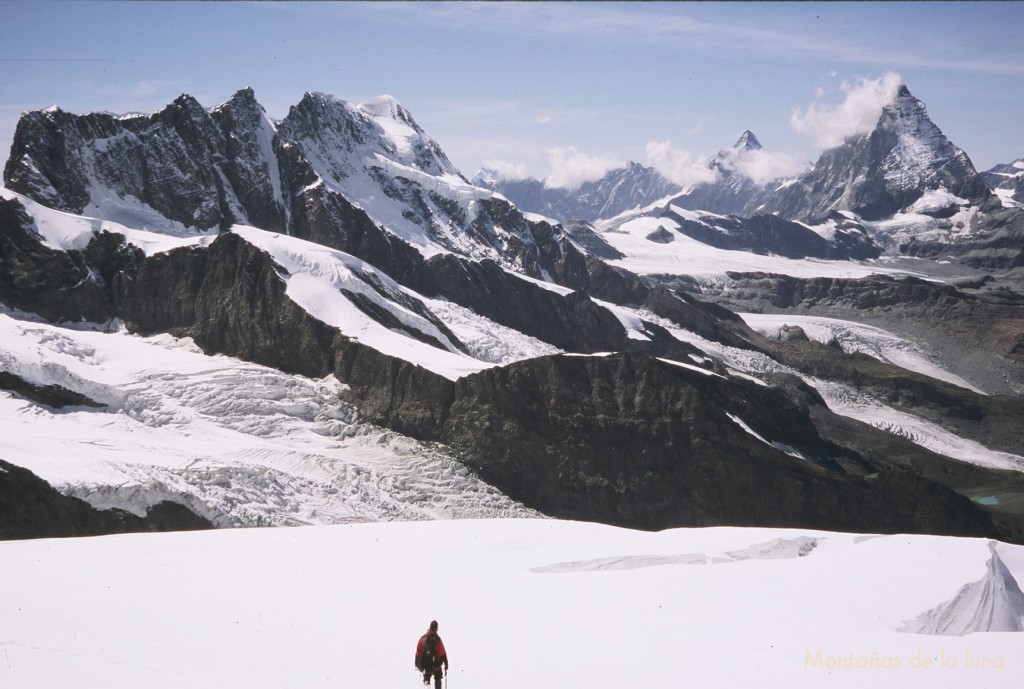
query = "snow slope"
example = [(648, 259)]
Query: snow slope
[(552, 604)]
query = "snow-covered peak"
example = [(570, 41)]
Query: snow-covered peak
[(378, 128), (908, 116), (386, 106), (748, 142), (885, 171), (487, 177), (922, 157)]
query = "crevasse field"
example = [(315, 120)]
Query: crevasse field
[(521, 602)]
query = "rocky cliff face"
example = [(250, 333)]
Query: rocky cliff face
[(630, 440), (164, 169)]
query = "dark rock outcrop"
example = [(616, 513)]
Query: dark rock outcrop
[(57, 285), (55, 396), (167, 161), (251, 164), (31, 508), (593, 243), (231, 299), (629, 440)]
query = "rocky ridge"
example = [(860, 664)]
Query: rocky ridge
[(659, 433)]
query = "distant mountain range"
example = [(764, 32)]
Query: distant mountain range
[(903, 186), (592, 370), (617, 191)]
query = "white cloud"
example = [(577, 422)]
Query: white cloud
[(763, 166), (680, 166), (830, 125), (506, 170), (571, 168)]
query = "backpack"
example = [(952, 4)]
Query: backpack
[(428, 652)]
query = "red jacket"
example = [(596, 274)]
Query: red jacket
[(440, 658)]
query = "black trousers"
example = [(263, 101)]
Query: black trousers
[(436, 672)]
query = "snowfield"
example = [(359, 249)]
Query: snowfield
[(547, 603), (684, 255)]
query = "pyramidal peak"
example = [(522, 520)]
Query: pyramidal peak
[(906, 112), (886, 171), (187, 103), (920, 155), (748, 142)]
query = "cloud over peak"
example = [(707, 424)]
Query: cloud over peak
[(679, 165), (571, 168), (858, 113)]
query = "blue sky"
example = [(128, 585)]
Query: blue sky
[(524, 86)]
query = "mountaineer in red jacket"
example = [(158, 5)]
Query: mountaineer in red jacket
[(431, 656)]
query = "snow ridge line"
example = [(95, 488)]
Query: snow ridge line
[(994, 603)]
